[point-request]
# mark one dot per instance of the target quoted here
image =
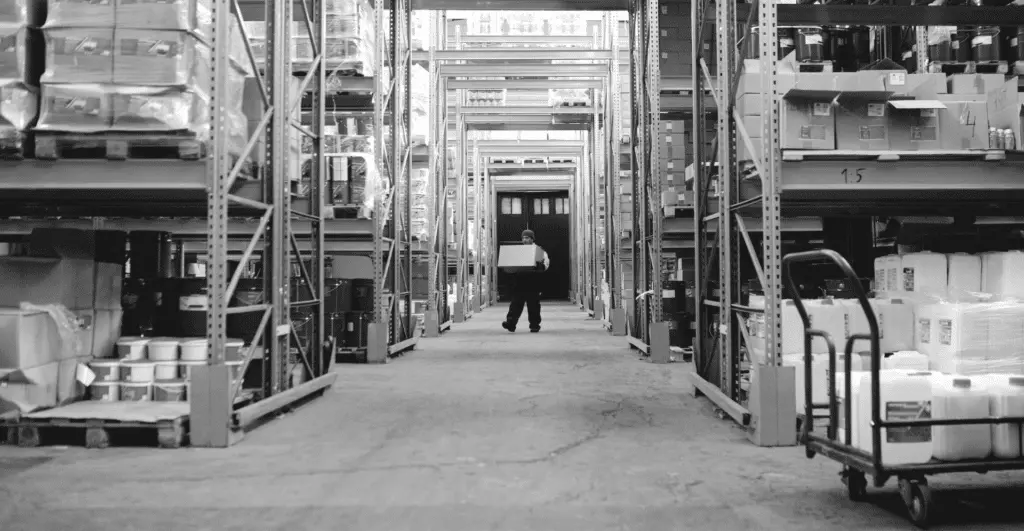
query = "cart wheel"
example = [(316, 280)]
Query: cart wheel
[(917, 496), (856, 484)]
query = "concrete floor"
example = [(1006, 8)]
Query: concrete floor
[(481, 429)]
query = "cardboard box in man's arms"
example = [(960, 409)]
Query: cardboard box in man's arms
[(516, 258)]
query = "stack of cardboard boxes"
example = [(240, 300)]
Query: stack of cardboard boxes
[(675, 40), (72, 280), (879, 110), (673, 150)]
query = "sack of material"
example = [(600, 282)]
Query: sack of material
[(515, 258)]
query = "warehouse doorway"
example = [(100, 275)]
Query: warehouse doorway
[(547, 214)]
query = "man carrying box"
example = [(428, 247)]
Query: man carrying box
[(526, 287)]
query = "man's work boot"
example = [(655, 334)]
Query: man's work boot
[(507, 326)]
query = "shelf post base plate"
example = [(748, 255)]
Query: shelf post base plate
[(618, 322), (660, 349), (431, 326), (459, 312), (772, 405), (377, 346), (210, 408)]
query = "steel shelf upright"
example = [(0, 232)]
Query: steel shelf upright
[(438, 315), (648, 332), (613, 133), (392, 330)]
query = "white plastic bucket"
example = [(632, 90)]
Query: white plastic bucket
[(173, 391), (138, 371), (166, 370), (132, 348), (195, 350), (163, 349), (105, 391), (136, 392), (106, 370)]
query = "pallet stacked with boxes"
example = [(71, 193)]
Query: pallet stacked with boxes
[(60, 307), (676, 40)]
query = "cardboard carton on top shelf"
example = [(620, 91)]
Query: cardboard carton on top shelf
[(964, 121), (975, 83), (515, 258), (79, 13), (79, 55), (862, 125), (1004, 109), (47, 281), (23, 12), (29, 389), (915, 125), (28, 338)]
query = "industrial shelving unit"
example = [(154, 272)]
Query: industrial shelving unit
[(473, 188), (244, 210), (648, 331), (803, 183)]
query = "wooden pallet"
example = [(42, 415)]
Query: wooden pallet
[(101, 424), (118, 146), (991, 67)]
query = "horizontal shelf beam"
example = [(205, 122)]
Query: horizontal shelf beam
[(685, 226), (524, 84), (515, 54), (522, 5), (525, 70), (192, 229), (561, 40), (526, 111), (890, 15)]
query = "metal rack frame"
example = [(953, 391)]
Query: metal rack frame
[(802, 183), (214, 187), (648, 332)]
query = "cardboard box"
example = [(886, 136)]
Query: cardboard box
[(745, 154), (107, 246), (106, 330), (964, 123), (515, 258), (862, 125), (28, 338), (47, 281), (49, 385), (914, 125), (807, 124), (975, 83)]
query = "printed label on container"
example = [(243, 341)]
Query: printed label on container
[(983, 40), (846, 325), (896, 411), (945, 332), (813, 39), (908, 279), (880, 278), (891, 280), (898, 78), (880, 317), (924, 330)]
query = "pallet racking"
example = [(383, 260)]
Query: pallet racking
[(794, 183)]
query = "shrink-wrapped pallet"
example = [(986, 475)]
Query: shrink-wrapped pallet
[(160, 109), (160, 57), (75, 108), (23, 12), (19, 106), (185, 15), (88, 13), (79, 55), (21, 54)]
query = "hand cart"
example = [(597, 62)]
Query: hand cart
[(858, 464)]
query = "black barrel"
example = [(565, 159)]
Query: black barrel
[(193, 303), (150, 253), (362, 295), (962, 52), (354, 329), (245, 325), (787, 42), (985, 46), (810, 45), (941, 48)]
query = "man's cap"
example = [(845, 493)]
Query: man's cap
[(529, 233)]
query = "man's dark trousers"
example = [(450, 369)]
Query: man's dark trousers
[(529, 298)]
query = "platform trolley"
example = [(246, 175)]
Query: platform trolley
[(858, 464)]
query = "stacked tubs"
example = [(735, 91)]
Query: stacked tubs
[(157, 369)]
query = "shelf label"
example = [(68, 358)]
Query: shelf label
[(898, 78), (853, 175)]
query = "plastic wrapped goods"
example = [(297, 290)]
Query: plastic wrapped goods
[(21, 55), (1002, 274), (79, 55), (160, 109), (964, 279), (346, 7), (23, 12), (925, 273), (93, 13), (972, 338), (75, 108), (349, 55), (186, 15), (155, 57), (19, 105), (960, 398)]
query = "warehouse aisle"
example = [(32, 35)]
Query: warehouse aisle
[(479, 429)]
